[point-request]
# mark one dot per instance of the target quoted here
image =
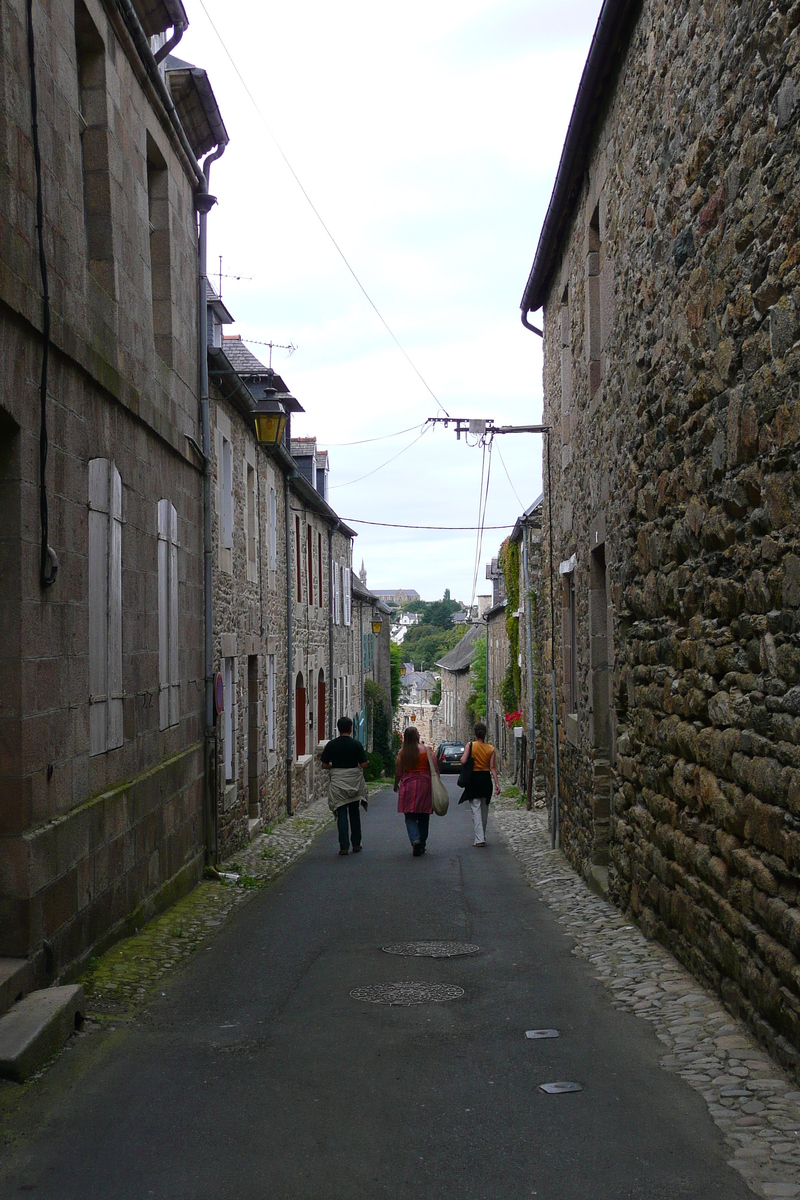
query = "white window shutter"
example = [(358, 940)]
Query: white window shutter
[(346, 587), (98, 605), (115, 610), (174, 657), (163, 612)]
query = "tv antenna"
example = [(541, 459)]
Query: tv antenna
[(220, 276), (290, 347)]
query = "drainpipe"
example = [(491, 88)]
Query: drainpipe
[(289, 650), (361, 667), (177, 33), (529, 638), (331, 530), (142, 44)]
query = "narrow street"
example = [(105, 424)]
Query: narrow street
[(256, 1074)]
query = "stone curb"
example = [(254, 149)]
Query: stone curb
[(750, 1098)]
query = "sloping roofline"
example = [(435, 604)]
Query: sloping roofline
[(606, 55)]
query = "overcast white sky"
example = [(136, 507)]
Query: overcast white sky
[(427, 135)]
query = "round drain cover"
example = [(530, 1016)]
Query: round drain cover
[(431, 949), (404, 994)]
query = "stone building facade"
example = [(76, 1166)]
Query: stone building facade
[(102, 716), (527, 534), (668, 275), (454, 720)]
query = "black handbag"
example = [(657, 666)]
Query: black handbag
[(465, 775)]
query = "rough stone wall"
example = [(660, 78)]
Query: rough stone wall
[(249, 626), (455, 725), (87, 841), (671, 385), (346, 642)]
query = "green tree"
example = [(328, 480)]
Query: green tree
[(428, 643), (378, 722), (435, 612), (436, 694), (476, 701)]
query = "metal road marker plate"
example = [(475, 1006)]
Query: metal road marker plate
[(555, 1089), (431, 949), (536, 1034), (407, 993)]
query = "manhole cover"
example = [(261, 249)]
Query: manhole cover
[(431, 949), (404, 994), (555, 1089), (536, 1034)]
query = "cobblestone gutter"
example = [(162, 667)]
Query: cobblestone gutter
[(754, 1103), (122, 979)]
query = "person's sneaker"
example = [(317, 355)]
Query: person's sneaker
[(479, 843), (344, 851), (356, 849), (416, 849)]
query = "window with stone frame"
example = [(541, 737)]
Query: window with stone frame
[(251, 515), (298, 560), (565, 331), (593, 316), (230, 714), (160, 249), (347, 594), (273, 529), (168, 658), (569, 642), (94, 138), (310, 563), (319, 567)]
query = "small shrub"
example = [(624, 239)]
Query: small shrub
[(374, 768)]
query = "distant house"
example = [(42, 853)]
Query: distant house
[(455, 724), (397, 596)]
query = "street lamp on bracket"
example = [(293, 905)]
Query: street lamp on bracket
[(269, 419)]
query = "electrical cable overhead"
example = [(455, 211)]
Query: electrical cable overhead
[(318, 215), (375, 470), (394, 525), (508, 477), (483, 500), (384, 438)]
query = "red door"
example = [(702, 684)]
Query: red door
[(300, 716)]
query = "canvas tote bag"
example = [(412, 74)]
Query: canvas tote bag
[(439, 795)]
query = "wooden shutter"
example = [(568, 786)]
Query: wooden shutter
[(163, 612), (115, 693), (98, 605), (174, 656), (347, 590)]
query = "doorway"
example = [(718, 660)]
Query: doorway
[(300, 714)]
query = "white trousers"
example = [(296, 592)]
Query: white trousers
[(480, 815)]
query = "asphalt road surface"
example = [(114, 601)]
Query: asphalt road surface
[(258, 1077)]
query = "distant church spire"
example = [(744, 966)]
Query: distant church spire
[(362, 574)]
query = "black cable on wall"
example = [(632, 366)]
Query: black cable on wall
[(48, 562)]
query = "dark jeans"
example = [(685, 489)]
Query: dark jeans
[(355, 824), (417, 827)]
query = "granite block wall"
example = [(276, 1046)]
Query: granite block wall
[(672, 387)]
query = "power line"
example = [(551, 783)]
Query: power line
[(508, 477), (384, 438), (394, 525), (425, 429), (318, 215)]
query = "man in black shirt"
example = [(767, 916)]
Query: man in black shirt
[(346, 759)]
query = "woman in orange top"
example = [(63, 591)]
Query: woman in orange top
[(412, 782), (479, 789)]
